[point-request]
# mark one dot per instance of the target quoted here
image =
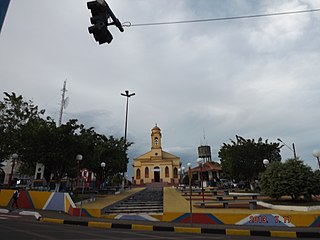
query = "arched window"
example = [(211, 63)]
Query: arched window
[(175, 172), (155, 141), (138, 173), (146, 172), (166, 172)]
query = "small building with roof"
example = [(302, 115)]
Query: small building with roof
[(210, 173), (209, 169)]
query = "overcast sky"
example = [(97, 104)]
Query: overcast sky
[(202, 83)]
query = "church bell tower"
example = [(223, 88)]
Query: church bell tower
[(156, 141)]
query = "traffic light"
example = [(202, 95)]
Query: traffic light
[(101, 12)]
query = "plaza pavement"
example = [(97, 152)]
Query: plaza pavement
[(175, 203)]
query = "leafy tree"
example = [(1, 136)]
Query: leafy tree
[(33, 144), (40, 140), (292, 178), (14, 113), (243, 158), (272, 180), (100, 148), (299, 179), (56, 147)]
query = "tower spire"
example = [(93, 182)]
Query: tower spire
[(63, 101)]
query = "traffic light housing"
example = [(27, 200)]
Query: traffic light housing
[(100, 33), (101, 12)]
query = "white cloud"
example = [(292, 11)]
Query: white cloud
[(250, 77), (280, 32)]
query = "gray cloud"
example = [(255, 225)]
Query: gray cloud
[(250, 77)]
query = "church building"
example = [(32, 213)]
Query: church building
[(156, 165)]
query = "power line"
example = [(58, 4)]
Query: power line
[(128, 24)]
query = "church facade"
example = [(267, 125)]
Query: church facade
[(156, 165)]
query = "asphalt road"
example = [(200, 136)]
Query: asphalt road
[(13, 226)]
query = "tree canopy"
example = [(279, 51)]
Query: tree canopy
[(14, 113), (39, 140), (243, 158), (291, 178)]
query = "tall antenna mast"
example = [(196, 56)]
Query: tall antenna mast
[(63, 101), (204, 137)]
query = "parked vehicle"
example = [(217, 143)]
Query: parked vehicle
[(243, 184), (225, 183)]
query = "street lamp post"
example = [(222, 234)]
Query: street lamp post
[(103, 165), (127, 95), (13, 163), (79, 159), (316, 154), (190, 191), (199, 161), (293, 149), (265, 162)]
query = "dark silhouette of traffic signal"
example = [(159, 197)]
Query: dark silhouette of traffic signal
[(101, 13)]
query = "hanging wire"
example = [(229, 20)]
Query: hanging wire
[(129, 24)]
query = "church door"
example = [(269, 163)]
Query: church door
[(156, 172)]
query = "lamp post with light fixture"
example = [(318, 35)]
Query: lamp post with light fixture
[(79, 159), (103, 165), (265, 162), (190, 191), (127, 95)]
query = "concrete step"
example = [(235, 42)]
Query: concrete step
[(135, 211), (146, 201), (138, 206), (141, 203), (134, 207)]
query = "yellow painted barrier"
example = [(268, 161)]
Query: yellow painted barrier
[(139, 227), (283, 234), (94, 212), (39, 199), (52, 220), (5, 197), (100, 224), (187, 230)]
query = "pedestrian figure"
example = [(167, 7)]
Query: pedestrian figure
[(15, 197)]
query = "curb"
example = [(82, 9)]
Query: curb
[(4, 210), (31, 213), (196, 230), (289, 208)]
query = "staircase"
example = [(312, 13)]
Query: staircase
[(149, 200)]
